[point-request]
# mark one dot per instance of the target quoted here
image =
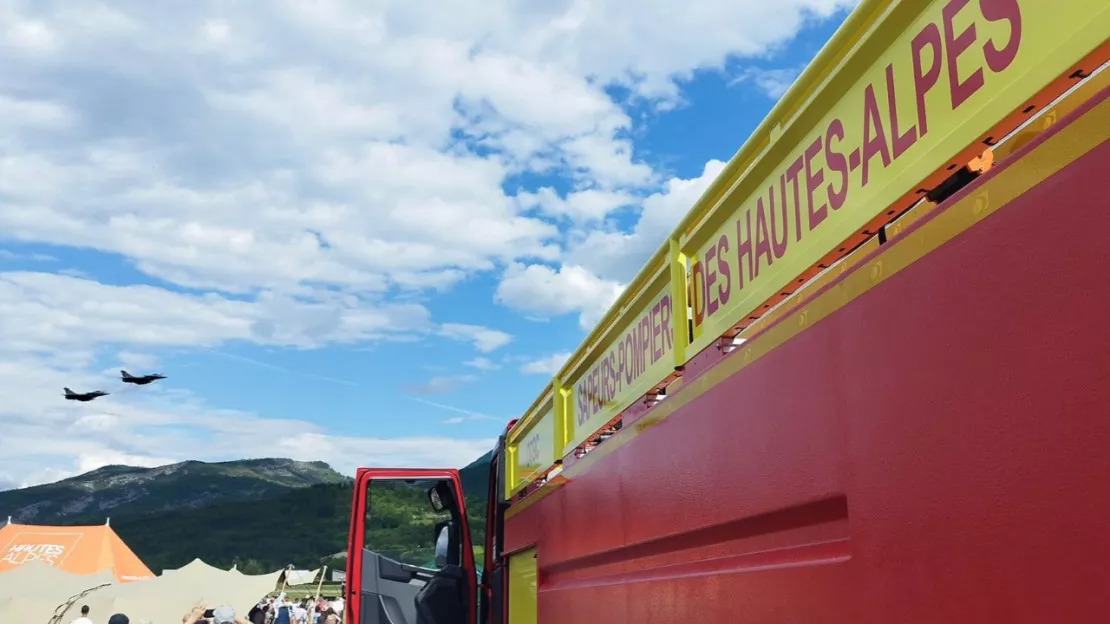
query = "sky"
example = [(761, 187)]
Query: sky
[(366, 233)]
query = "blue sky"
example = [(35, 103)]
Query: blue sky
[(360, 235)]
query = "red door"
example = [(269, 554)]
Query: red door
[(396, 576)]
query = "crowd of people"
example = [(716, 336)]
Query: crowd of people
[(281, 610), (269, 610)]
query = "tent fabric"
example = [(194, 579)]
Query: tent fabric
[(165, 599), (38, 579), (299, 577), (41, 593), (78, 550), (34, 590)]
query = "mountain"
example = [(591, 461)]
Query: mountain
[(475, 476), (120, 491), (302, 526), (259, 514)]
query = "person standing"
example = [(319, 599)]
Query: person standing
[(300, 613), (283, 615), (84, 619)]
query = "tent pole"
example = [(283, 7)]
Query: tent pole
[(323, 573)]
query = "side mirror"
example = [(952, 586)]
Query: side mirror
[(443, 543), (441, 497)]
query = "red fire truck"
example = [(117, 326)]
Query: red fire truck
[(866, 379)]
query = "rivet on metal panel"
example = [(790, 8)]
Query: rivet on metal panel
[(982, 203), (877, 270)]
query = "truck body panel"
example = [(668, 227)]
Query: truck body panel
[(891, 408), (925, 440)]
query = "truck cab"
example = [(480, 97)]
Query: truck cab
[(903, 421), (436, 584)]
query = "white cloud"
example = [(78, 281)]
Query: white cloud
[(245, 156), (599, 262), (772, 82), (46, 438), (311, 173), (49, 311), (137, 361), (482, 363), (618, 255), (540, 290), (484, 338), (442, 385), (580, 206), (548, 365), (7, 254), (34, 114)]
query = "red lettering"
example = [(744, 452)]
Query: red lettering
[(603, 384), (631, 346), (925, 79), (609, 387), (697, 287), (656, 338), (595, 389), (622, 358), (614, 378), (724, 287), (744, 247), (633, 353), (998, 59), (792, 174), (626, 352), (616, 372), (954, 46), (836, 161), (591, 397), (813, 182), (905, 141), (874, 134), (777, 246), (762, 239), (665, 319), (710, 280)]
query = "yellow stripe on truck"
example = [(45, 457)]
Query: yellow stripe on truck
[(906, 92), (523, 590), (944, 77)]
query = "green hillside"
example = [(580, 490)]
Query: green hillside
[(302, 526), (122, 491)]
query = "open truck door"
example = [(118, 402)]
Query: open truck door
[(391, 581)]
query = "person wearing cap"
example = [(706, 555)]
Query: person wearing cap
[(222, 614), (119, 618)]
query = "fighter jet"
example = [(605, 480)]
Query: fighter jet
[(84, 397), (139, 381)]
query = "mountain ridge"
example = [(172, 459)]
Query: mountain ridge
[(268, 512), (131, 490)]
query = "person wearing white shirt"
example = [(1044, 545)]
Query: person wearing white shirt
[(300, 614), (84, 619)]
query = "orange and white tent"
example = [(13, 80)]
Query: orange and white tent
[(75, 549)]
